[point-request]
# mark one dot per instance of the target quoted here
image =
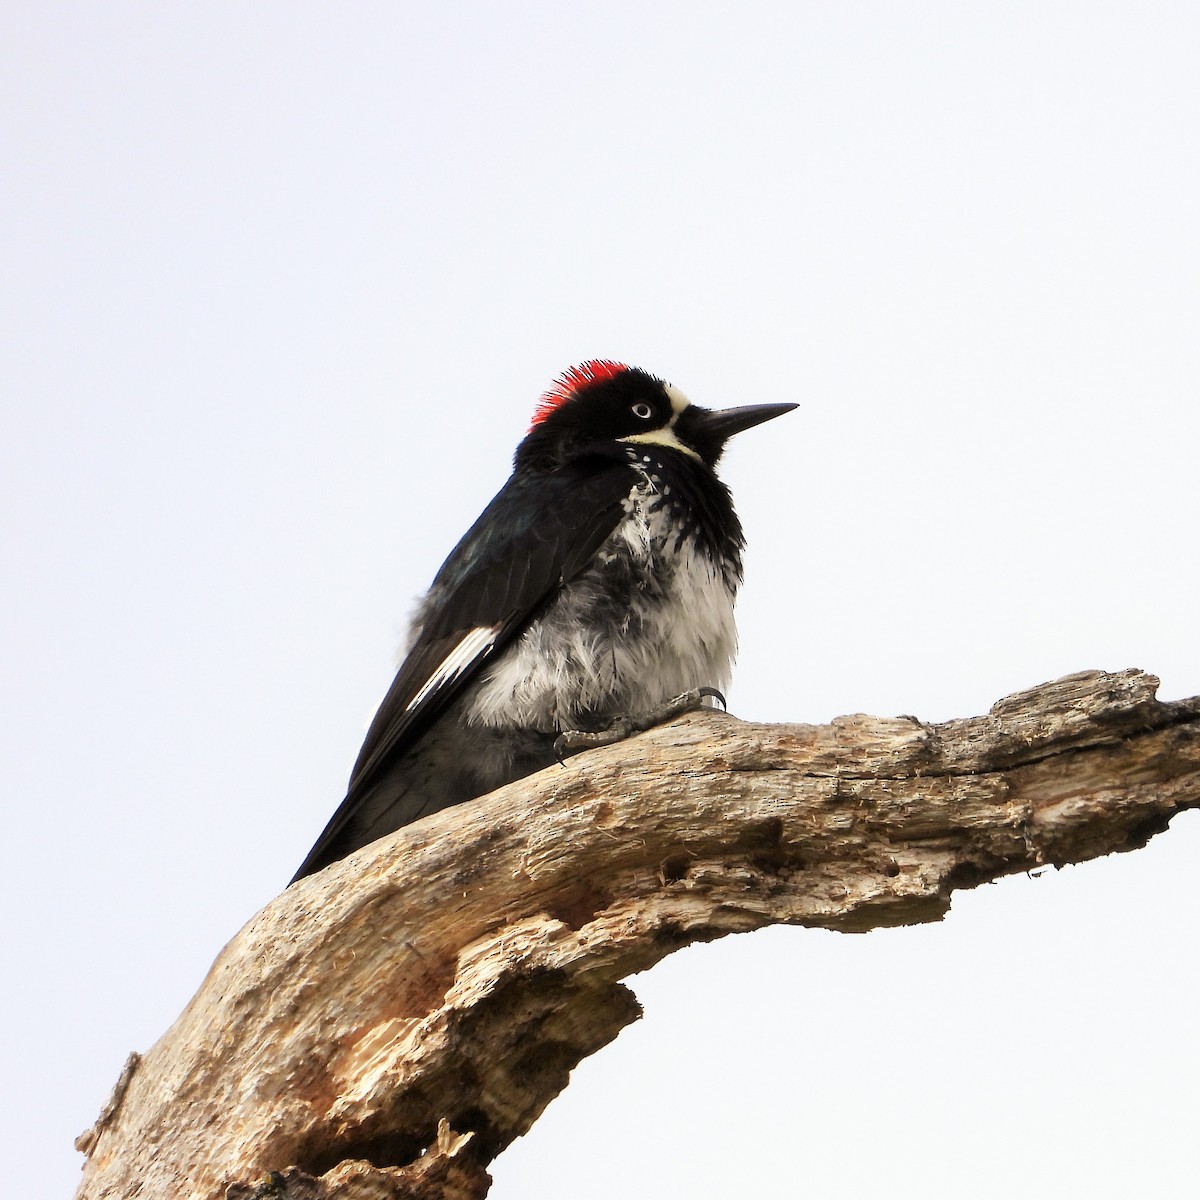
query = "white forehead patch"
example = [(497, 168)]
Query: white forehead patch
[(666, 436), (678, 400)]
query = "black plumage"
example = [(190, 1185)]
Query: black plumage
[(613, 499)]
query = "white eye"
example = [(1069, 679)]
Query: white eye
[(644, 411)]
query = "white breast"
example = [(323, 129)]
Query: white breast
[(591, 657)]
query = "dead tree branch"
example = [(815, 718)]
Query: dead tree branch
[(387, 1027)]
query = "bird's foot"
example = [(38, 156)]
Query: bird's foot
[(623, 727)]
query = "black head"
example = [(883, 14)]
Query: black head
[(605, 402)]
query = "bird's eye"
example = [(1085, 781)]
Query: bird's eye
[(644, 411)]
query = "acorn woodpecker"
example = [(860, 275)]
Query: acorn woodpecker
[(593, 597)]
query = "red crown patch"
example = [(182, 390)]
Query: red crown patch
[(573, 381)]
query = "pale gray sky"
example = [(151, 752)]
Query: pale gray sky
[(281, 286)]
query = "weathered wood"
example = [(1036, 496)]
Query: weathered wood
[(387, 1027)]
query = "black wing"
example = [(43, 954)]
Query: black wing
[(536, 534)]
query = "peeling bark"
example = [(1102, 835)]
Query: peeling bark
[(386, 1027)]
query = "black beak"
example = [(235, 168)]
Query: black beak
[(706, 431), (722, 424)]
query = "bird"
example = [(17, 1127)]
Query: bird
[(593, 597)]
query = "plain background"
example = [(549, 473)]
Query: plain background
[(282, 284)]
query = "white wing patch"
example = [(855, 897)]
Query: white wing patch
[(476, 642)]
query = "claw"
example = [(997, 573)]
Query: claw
[(576, 739)]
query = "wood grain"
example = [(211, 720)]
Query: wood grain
[(386, 1027)]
